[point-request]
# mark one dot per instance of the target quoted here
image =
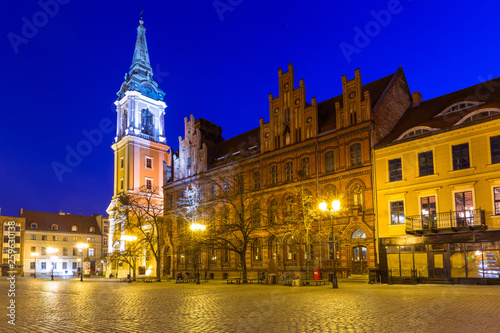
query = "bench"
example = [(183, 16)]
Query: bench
[(148, 280), (287, 282), (123, 280), (321, 282), (232, 281)]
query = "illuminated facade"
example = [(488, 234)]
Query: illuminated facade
[(13, 240), (140, 151), (437, 182), (323, 149)]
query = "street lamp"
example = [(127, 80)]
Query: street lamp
[(35, 254), (197, 227), (81, 246), (333, 210), (128, 238), (53, 258)]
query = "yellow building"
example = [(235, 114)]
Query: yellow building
[(437, 185)]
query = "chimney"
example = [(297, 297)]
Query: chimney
[(21, 213), (417, 98)]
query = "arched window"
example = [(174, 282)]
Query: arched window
[(257, 250), (91, 229), (273, 211), (33, 225), (356, 154), (124, 121), (414, 131), (255, 215), (147, 122), (357, 196), (459, 106), (74, 228), (358, 234), (289, 207), (290, 247), (273, 252), (182, 256), (54, 227)]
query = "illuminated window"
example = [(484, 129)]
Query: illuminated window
[(329, 166), (257, 250), (356, 154), (428, 210), (74, 228), (54, 227), (65, 251), (358, 234), (397, 212), (305, 166), (33, 237), (395, 170), (496, 197), (91, 229), (460, 154), (458, 107), (415, 131), (91, 252), (425, 163)]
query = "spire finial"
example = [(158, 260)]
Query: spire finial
[(141, 21)]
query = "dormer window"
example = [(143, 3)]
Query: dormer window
[(74, 228), (416, 131), (33, 225), (459, 107), (479, 114), (54, 227), (91, 229)]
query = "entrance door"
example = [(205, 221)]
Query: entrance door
[(359, 264), (438, 264)]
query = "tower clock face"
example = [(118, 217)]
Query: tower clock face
[(352, 94)]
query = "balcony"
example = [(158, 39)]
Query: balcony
[(453, 220)]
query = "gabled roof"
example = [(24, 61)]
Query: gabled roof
[(429, 113), (326, 109), (64, 223)]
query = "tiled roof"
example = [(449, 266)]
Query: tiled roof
[(45, 220), (240, 143), (326, 109), (427, 112)]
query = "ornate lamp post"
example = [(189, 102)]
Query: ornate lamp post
[(53, 258), (333, 210), (35, 254), (197, 227), (128, 238), (81, 246)]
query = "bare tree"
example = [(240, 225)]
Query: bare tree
[(239, 219), (143, 216), (129, 255)]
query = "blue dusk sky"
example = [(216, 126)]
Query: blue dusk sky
[(64, 60)]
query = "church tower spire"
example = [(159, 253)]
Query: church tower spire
[(140, 62)]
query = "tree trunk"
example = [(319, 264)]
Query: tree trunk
[(134, 267), (243, 260)]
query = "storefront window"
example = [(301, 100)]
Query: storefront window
[(491, 268), (457, 263), (474, 261)]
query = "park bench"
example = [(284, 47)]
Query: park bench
[(232, 281)]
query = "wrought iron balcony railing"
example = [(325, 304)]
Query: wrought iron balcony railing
[(453, 220)]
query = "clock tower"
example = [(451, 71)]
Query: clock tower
[(141, 153)]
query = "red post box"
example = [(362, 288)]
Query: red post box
[(317, 274)]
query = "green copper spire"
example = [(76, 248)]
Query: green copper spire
[(140, 75)]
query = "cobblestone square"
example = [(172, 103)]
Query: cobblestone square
[(99, 305)]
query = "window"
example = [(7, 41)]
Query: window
[(33, 249), (75, 239), (44, 265), (212, 192), (274, 175), (91, 251), (149, 183), (425, 163), (105, 241), (397, 212), (226, 187), (18, 239), (104, 253), (305, 167), (32, 265), (75, 265), (416, 131), (44, 251), (256, 180), (75, 251), (54, 227), (241, 184), (357, 196), (358, 234), (458, 107), (395, 171), (289, 171), (356, 154), (91, 229), (33, 225), (65, 251), (54, 265), (65, 238), (257, 250), (121, 162), (496, 198), (44, 237), (226, 256), (149, 163), (428, 210), (33, 237), (464, 206), (121, 184), (329, 167), (495, 149), (213, 256), (255, 215), (460, 155), (74, 228), (477, 115), (54, 238)]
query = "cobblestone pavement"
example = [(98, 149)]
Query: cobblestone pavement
[(104, 306)]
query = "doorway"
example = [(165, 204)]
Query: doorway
[(359, 264)]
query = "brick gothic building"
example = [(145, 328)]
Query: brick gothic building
[(330, 142)]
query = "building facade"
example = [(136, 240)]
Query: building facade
[(437, 181), (320, 149), (13, 241), (140, 152), (50, 244)]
